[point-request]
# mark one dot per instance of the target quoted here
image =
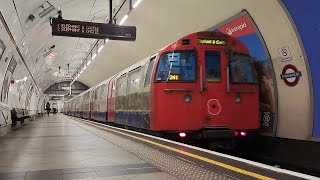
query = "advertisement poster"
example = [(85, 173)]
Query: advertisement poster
[(28, 97), (2, 48), (7, 79), (243, 28)]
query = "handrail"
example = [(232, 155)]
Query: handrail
[(201, 79), (228, 80)]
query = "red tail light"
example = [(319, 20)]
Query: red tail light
[(236, 133), (182, 135), (243, 133)]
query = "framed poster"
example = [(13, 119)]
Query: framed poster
[(2, 48), (7, 79)]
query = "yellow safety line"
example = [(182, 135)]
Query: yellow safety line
[(226, 166)]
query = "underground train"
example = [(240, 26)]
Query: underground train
[(203, 86)]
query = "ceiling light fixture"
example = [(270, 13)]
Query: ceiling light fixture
[(46, 10)]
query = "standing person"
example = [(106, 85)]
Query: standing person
[(48, 108)]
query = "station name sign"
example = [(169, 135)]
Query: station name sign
[(61, 27)]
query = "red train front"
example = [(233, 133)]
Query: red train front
[(205, 85)]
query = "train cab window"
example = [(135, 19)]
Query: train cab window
[(121, 85), (242, 69), (149, 71), (177, 66), (213, 66), (133, 81)]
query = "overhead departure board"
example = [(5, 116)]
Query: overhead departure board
[(61, 27)]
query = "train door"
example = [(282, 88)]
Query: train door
[(175, 100), (229, 90), (111, 100), (90, 104)]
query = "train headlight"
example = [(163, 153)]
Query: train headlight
[(238, 99), (187, 98)]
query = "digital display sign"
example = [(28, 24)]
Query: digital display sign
[(212, 42), (173, 77), (61, 27)]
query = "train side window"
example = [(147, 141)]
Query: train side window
[(122, 85), (96, 93), (149, 71), (133, 81), (213, 66), (103, 92)]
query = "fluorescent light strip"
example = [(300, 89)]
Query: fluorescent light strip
[(101, 47), (94, 56), (88, 63), (84, 67), (123, 19), (136, 4)]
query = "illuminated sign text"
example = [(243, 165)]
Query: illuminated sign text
[(173, 77), (61, 27), (212, 42)]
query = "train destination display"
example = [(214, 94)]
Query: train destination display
[(212, 41), (61, 27)]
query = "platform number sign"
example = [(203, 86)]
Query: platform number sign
[(285, 54)]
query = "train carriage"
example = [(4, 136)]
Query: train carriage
[(205, 84), (99, 102), (131, 99), (72, 107), (202, 86), (78, 106), (87, 103)]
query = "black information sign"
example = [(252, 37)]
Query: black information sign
[(61, 27)]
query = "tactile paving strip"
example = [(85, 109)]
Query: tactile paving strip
[(178, 165)]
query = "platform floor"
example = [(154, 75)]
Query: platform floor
[(53, 148), (61, 147)]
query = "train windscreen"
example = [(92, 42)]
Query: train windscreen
[(242, 69), (178, 66)]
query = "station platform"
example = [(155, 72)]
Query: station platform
[(60, 147)]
